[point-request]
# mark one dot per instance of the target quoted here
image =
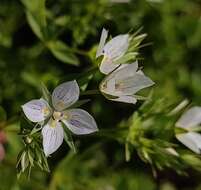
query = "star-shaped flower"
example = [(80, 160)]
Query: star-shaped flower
[(76, 120)]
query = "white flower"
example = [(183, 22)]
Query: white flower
[(124, 82), (112, 51), (76, 120), (188, 121)]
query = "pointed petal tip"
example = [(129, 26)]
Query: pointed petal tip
[(104, 35), (46, 153), (152, 83)]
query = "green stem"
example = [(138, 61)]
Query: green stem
[(90, 92), (117, 133)]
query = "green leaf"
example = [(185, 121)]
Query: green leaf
[(69, 140), (36, 16), (84, 81), (46, 94), (62, 52), (191, 159), (136, 41), (24, 161)]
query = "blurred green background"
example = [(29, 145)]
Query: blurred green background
[(33, 50)]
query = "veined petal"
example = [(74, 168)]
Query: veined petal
[(79, 122), (107, 65), (127, 70), (108, 86), (192, 140), (53, 135), (103, 38), (65, 95), (117, 46), (125, 99), (36, 110), (190, 118), (129, 82), (125, 81)]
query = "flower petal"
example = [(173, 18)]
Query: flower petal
[(79, 122), (112, 51), (36, 110), (128, 81), (191, 118), (125, 99), (103, 38), (192, 140), (108, 85), (65, 95), (53, 135), (107, 65), (128, 70), (117, 46)]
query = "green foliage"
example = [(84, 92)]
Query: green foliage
[(51, 41), (32, 154), (36, 16), (61, 52)]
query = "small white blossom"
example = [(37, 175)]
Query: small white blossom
[(76, 120), (124, 82), (189, 120), (111, 51)]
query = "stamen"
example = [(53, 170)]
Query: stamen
[(66, 115), (46, 111), (57, 115)]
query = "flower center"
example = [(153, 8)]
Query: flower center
[(57, 115)]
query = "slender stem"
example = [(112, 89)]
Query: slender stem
[(90, 92), (112, 133)]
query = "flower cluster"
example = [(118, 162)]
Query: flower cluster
[(57, 115), (122, 81)]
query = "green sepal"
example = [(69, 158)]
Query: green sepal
[(69, 139), (127, 58), (46, 95)]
